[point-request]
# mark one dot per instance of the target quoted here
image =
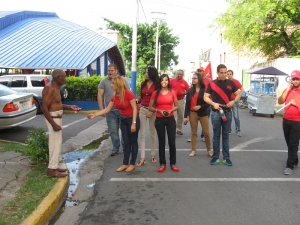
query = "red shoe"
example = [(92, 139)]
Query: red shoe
[(175, 168), (161, 169)]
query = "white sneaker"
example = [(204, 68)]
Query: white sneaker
[(203, 139), (239, 134), (189, 140)]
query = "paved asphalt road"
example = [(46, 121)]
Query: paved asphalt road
[(73, 123), (252, 191)]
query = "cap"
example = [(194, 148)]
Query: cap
[(295, 74), (200, 69)]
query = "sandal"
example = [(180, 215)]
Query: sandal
[(141, 162), (153, 160), (192, 154), (210, 153)]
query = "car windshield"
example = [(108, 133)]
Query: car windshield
[(6, 90)]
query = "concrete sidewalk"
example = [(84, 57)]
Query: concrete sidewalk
[(14, 168)]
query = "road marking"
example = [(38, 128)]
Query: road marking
[(77, 121), (231, 150), (255, 140), (69, 124), (205, 179)]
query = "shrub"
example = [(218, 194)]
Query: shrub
[(37, 146), (83, 88)]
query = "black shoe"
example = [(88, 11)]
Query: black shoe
[(114, 153), (179, 132)]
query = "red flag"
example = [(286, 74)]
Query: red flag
[(207, 72)]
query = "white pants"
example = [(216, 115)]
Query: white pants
[(143, 122), (179, 115), (55, 140)]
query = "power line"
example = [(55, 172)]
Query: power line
[(185, 7), (143, 11)]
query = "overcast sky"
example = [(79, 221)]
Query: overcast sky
[(189, 19)]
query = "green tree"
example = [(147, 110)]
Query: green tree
[(263, 27), (146, 40)]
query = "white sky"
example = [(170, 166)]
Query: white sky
[(189, 19)]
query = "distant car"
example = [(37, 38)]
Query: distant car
[(15, 107), (31, 83)]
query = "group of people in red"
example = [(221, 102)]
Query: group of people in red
[(162, 103)]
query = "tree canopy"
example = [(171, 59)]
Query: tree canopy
[(269, 28), (146, 44)]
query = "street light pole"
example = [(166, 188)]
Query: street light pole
[(159, 50), (158, 16)]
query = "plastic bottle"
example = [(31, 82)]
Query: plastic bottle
[(224, 119)]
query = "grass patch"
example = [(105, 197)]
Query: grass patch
[(12, 146), (36, 187)]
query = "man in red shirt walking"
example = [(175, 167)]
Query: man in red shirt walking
[(180, 86), (235, 108), (291, 120)]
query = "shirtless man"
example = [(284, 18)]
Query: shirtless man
[(53, 109)]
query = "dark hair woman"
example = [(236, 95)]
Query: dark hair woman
[(148, 86), (164, 103), (196, 110)]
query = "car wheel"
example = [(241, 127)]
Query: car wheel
[(37, 105), (64, 93)]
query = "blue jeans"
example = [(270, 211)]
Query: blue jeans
[(208, 111), (235, 112), (218, 127), (130, 140), (113, 119)]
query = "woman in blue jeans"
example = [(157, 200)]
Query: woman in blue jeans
[(124, 100), (164, 102)]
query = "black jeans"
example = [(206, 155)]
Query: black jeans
[(161, 125), (291, 131)]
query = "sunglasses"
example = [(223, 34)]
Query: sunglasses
[(150, 66), (295, 79)]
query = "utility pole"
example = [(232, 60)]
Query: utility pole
[(158, 16), (134, 50), (159, 54)]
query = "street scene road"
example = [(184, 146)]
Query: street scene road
[(73, 123), (252, 191)]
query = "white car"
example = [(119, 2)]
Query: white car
[(15, 107), (31, 83)]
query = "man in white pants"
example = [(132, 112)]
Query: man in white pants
[(53, 109)]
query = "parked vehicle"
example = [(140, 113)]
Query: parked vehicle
[(15, 107), (31, 83)]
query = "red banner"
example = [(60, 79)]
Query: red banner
[(207, 72)]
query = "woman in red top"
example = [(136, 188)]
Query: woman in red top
[(196, 110), (164, 103), (147, 88), (124, 100)]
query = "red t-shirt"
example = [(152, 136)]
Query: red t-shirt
[(237, 84), (194, 101), (292, 112), (179, 86), (125, 108), (164, 102), (146, 94)]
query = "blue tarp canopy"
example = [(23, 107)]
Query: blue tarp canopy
[(41, 40)]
